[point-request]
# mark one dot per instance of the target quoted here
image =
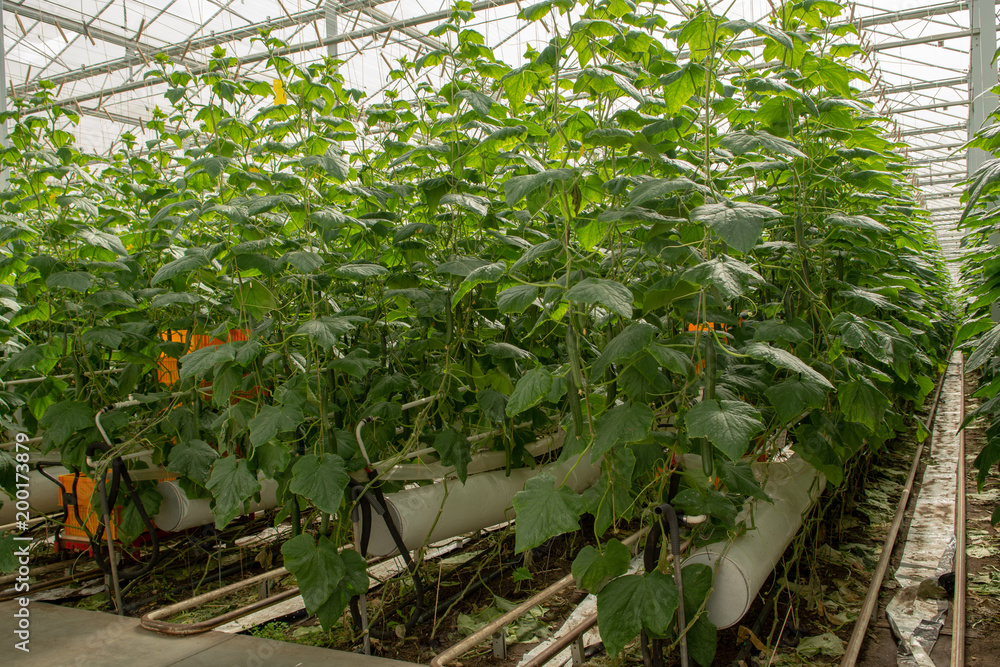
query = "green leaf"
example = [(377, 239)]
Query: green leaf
[(334, 165), (608, 293), (632, 340), (203, 360), (731, 276), (738, 478), (816, 448), (326, 578), (702, 638), (862, 402), (320, 480), (593, 570), (792, 332), (728, 425), (706, 501), (359, 271), (517, 188), (76, 281), (632, 603), (484, 274), (63, 419), (271, 420), (529, 391), (738, 223), (356, 363), (787, 360), (231, 484), (192, 459), (306, 262), (326, 330), (104, 240), (180, 266), (742, 143), (544, 511), (493, 404), (474, 203), (478, 101), (622, 424), (862, 222), (794, 396), (658, 188), (507, 351), (454, 450), (515, 300), (986, 346)]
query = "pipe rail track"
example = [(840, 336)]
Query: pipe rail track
[(868, 608)]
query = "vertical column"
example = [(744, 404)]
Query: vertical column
[(331, 26), (4, 173), (982, 73)]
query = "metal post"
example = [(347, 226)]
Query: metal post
[(982, 73), (331, 27), (4, 173)]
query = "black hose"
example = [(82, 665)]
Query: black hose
[(652, 649)]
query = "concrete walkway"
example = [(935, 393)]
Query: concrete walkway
[(67, 637)]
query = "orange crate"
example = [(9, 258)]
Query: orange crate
[(88, 499), (168, 373)]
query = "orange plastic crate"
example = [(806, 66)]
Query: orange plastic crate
[(88, 499), (168, 373)]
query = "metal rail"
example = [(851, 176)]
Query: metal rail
[(853, 648), (958, 608), (481, 635)]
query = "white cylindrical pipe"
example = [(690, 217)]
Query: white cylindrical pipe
[(484, 500), (743, 565), (43, 495), (178, 512)]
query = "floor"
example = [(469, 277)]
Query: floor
[(67, 637)]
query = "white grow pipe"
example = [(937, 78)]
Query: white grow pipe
[(43, 495), (178, 512), (484, 500), (744, 564)]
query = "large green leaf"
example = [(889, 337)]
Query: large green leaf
[(632, 603), (633, 339), (787, 360), (326, 330), (862, 402), (231, 484), (517, 188), (622, 424), (741, 143), (515, 300), (203, 360), (702, 638), (454, 450), (320, 480), (728, 425), (815, 447), (731, 276), (63, 419), (794, 396), (529, 391), (593, 569), (193, 459), (272, 420), (738, 223), (181, 266), (544, 511), (327, 579), (738, 478), (608, 293)]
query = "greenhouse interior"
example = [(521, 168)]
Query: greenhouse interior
[(500, 332)]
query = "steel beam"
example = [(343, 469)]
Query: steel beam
[(932, 160), (928, 107), (914, 87), (926, 39), (934, 130), (942, 195), (64, 23), (982, 74), (936, 147), (360, 33)]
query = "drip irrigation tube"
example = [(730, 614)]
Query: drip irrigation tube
[(853, 648)]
